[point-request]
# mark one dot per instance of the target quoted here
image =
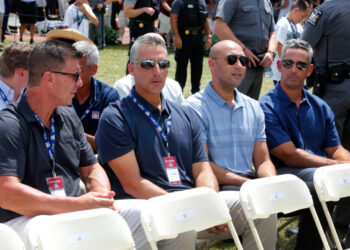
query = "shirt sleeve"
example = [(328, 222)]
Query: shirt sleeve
[(275, 133), (132, 2), (226, 10), (260, 120), (332, 138), (113, 137), (314, 27), (176, 7), (281, 32), (12, 147), (68, 18)]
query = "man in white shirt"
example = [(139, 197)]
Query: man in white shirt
[(78, 16), (171, 91), (13, 72)]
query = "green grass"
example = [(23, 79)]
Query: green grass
[(113, 61)]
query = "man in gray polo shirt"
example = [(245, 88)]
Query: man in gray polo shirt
[(250, 24)]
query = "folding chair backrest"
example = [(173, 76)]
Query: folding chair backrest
[(332, 182), (265, 196), (89, 230), (196, 209), (9, 239)]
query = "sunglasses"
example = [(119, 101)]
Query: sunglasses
[(75, 75), (232, 59), (289, 63), (149, 64)]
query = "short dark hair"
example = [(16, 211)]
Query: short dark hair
[(15, 56), (49, 55), (302, 5)]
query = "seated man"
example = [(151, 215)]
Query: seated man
[(150, 146), (300, 130), (234, 125), (13, 72), (42, 142), (171, 90), (93, 96)]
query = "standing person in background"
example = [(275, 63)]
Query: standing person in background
[(123, 22), (189, 20), (164, 20), (2, 11), (211, 6), (250, 24), (288, 27), (28, 13), (99, 9), (5, 19), (78, 16), (116, 8), (284, 8)]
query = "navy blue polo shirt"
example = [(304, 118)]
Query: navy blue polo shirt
[(100, 97), (124, 127), (311, 128)]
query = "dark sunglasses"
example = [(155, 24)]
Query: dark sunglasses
[(289, 63), (149, 64), (232, 59), (75, 75)]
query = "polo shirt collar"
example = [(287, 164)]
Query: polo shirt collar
[(28, 114), (9, 92), (285, 101), (149, 106), (96, 93), (220, 101)]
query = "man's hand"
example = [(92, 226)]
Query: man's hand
[(178, 42), (150, 11), (208, 42), (267, 61), (100, 6), (253, 59), (92, 200), (217, 229)]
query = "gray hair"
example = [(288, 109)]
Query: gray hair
[(298, 44), (89, 51), (150, 39)]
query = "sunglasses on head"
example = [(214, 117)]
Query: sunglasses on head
[(149, 64), (75, 75), (289, 63)]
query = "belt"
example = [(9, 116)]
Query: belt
[(192, 31), (140, 23)]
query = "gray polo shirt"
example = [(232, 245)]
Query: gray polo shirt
[(328, 26), (250, 20), (23, 153)]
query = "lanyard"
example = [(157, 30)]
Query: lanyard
[(294, 29), (49, 141), (87, 111), (4, 97), (155, 123)]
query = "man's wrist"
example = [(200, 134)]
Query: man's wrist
[(272, 52)]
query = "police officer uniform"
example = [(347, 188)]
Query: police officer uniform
[(192, 15), (252, 23), (327, 31)]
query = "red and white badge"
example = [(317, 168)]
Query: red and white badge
[(171, 170), (55, 185), (95, 115)]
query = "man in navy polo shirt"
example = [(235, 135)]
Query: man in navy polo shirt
[(300, 129), (94, 96), (150, 146)]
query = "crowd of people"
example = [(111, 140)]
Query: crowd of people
[(149, 140)]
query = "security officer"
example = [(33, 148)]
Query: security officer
[(188, 20), (249, 23), (142, 14), (327, 31)]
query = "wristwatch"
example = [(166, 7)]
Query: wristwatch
[(273, 53)]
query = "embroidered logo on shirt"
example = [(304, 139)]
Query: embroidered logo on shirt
[(95, 115), (314, 17)]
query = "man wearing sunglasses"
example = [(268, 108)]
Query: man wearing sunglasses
[(300, 130), (44, 153), (93, 96), (234, 131)]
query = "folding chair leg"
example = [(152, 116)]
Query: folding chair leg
[(235, 236), (331, 226), (255, 234), (319, 228)]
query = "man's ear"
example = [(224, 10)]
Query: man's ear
[(310, 69), (131, 69), (279, 65), (93, 69)]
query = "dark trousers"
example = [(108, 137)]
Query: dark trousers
[(193, 50), (6, 18), (99, 30)]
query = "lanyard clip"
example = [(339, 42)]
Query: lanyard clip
[(53, 173)]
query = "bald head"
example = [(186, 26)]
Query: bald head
[(220, 47)]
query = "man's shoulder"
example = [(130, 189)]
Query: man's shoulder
[(107, 92), (269, 100), (196, 101)]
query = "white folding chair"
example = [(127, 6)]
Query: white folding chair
[(100, 228), (331, 184), (9, 239), (263, 197), (197, 209)]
